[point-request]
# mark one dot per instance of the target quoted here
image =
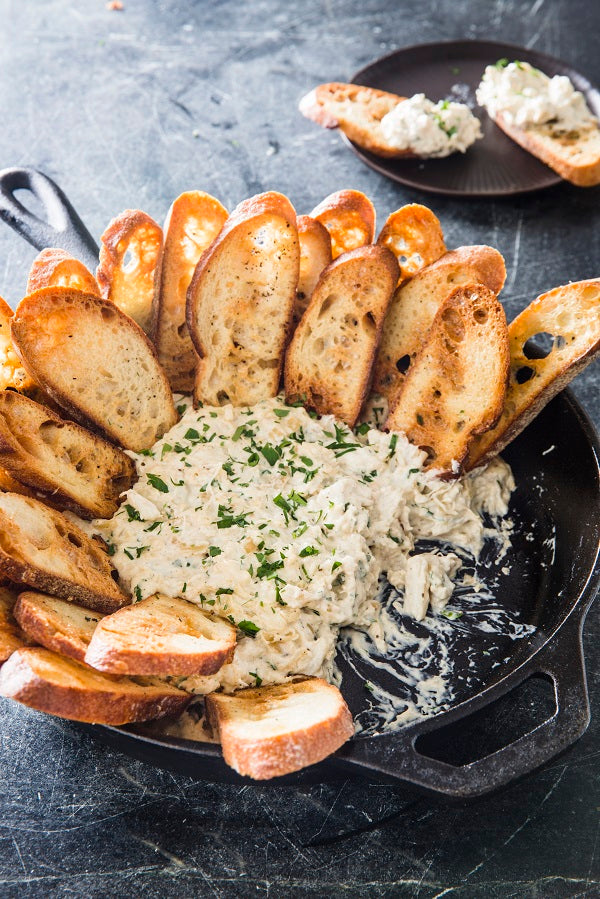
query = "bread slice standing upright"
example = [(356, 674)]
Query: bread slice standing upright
[(59, 461), (329, 361), (456, 386), (355, 110), (96, 363), (571, 316), (11, 636), (241, 301), (57, 268), (55, 623), (414, 235), (192, 223), (12, 373), (315, 255), (270, 731), (349, 216), (130, 264), (416, 303)]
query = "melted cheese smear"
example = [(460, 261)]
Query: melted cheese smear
[(283, 524)]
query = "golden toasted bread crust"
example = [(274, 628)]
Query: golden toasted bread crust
[(456, 387), (572, 315), (307, 741), (414, 235), (349, 216), (355, 110), (416, 302), (96, 363), (42, 549), (193, 222), (132, 285), (58, 625), (60, 462), (315, 255), (50, 683), (12, 372), (161, 636), (567, 154), (11, 636), (57, 268), (329, 361), (240, 360)]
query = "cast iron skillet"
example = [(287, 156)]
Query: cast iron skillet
[(550, 584)]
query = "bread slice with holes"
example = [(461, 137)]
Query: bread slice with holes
[(241, 300), (414, 235), (161, 635), (57, 268), (349, 216), (416, 303), (329, 361), (271, 731), (59, 625), (41, 548), (573, 154), (11, 635), (59, 461), (48, 682), (571, 315), (193, 222), (96, 363), (315, 255), (355, 110), (12, 372), (130, 264), (456, 386)]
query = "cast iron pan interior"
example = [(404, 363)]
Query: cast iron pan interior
[(495, 165), (552, 574)]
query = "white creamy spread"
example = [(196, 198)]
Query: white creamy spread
[(525, 96), (431, 129), (282, 524)]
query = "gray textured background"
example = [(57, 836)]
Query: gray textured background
[(129, 109)]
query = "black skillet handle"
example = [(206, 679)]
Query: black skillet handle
[(61, 226), (562, 660)]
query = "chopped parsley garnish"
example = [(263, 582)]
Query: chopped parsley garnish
[(281, 413), (309, 551), (157, 483), (137, 592), (393, 443), (191, 434), (132, 513), (181, 409), (335, 566), (341, 445), (300, 529), (502, 63), (271, 453), (166, 449), (214, 550), (227, 519), (248, 628), (452, 614), (363, 428), (256, 677), (224, 591)]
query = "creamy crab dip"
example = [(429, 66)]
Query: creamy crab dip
[(525, 96), (282, 523), (431, 129)]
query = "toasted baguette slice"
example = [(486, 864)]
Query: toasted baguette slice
[(57, 268), (270, 731), (349, 216), (355, 110), (571, 315), (315, 255), (11, 636), (130, 263), (456, 386), (59, 625), (8, 484), (96, 363), (416, 303), (48, 682), (574, 155), (59, 461), (241, 300), (329, 361), (161, 635), (42, 549), (193, 222), (12, 373), (415, 237)]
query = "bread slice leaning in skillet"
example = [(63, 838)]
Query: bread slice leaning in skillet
[(349, 216), (415, 237), (241, 300), (570, 317), (57, 268), (456, 386), (192, 223), (96, 363), (11, 635), (270, 731), (315, 255), (329, 361), (62, 626)]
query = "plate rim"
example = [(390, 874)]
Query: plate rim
[(378, 163)]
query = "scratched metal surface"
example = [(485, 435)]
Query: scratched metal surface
[(128, 109)]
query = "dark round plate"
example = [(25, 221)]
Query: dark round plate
[(494, 166)]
